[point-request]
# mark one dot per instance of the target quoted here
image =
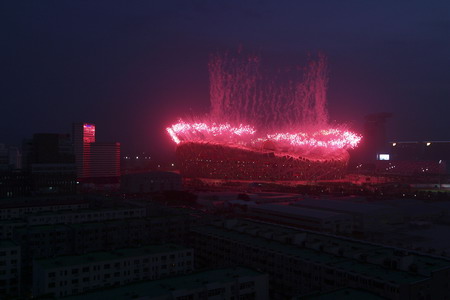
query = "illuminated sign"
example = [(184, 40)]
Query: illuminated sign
[(383, 156)]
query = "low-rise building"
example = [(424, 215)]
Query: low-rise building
[(71, 275), (19, 208), (88, 215), (46, 241), (229, 283), (7, 228), (301, 262), (346, 293), (9, 268), (366, 217), (314, 219), (150, 182)]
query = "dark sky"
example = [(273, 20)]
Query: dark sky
[(133, 67)]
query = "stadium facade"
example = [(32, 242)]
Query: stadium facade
[(219, 161)]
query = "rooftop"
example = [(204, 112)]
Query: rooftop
[(7, 244), (298, 211), (119, 254), (159, 288), (271, 245), (341, 206), (271, 238), (84, 211), (347, 294), (39, 228), (40, 202), (423, 262), (377, 272)]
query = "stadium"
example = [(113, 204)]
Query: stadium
[(289, 139), (223, 162)]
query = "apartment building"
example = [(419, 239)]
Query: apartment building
[(89, 215), (227, 283), (313, 219), (71, 275), (22, 207), (9, 269), (300, 262)]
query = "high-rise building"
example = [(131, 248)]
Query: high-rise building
[(374, 139), (104, 160), (374, 135), (47, 148), (49, 163), (98, 163), (83, 134)]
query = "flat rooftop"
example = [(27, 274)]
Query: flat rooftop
[(377, 272), (347, 294), (159, 288), (270, 245), (119, 254), (40, 202), (422, 262), (84, 211), (7, 244), (39, 228), (253, 236), (296, 211), (341, 206)]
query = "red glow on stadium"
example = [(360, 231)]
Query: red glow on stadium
[(245, 135), (330, 138), (203, 132), (290, 139)]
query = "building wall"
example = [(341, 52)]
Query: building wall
[(227, 283), (10, 158), (53, 179), (321, 221), (104, 160), (74, 275), (50, 164), (201, 160), (45, 241), (10, 263), (14, 184), (366, 217), (86, 216), (150, 182), (20, 209)]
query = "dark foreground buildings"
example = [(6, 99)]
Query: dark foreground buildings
[(302, 262)]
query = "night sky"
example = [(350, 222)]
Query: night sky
[(133, 67)]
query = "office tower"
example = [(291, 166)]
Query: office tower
[(375, 135), (83, 134)]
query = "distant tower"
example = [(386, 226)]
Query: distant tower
[(83, 134), (10, 158), (375, 134)]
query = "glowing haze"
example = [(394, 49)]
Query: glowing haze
[(249, 109)]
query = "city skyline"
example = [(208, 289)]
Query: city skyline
[(139, 67)]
